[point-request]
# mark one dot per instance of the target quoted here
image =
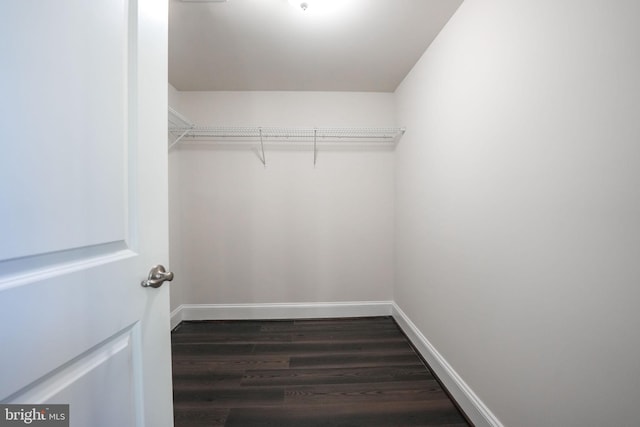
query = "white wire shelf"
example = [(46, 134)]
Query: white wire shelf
[(183, 130), (292, 134)]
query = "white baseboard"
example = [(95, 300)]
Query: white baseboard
[(470, 403), (176, 317), (280, 311)]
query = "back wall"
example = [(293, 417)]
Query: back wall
[(288, 232)]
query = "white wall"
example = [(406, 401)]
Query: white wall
[(296, 109), (518, 207), (287, 232), (179, 283)]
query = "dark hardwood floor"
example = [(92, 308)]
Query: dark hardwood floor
[(303, 373)]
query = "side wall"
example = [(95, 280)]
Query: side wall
[(288, 232), (178, 285), (518, 207)]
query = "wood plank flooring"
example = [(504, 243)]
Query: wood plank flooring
[(303, 373)]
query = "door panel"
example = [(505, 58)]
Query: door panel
[(112, 363), (67, 123), (83, 211)]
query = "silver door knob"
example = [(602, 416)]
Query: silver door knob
[(157, 276)]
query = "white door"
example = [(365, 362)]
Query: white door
[(83, 209)]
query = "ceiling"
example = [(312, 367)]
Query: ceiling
[(335, 45)]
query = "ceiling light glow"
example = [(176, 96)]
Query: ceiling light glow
[(321, 8), (302, 5)]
